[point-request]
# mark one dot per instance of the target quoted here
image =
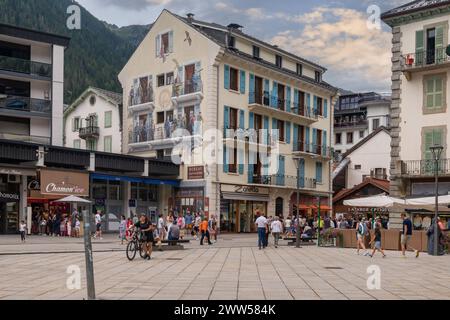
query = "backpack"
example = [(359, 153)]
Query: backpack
[(361, 229)]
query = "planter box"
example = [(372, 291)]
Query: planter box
[(390, 239)]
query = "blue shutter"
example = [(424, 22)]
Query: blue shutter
[(288, 132), (325, 108), (324, 143), (275, 95), (319, 172), (241, 151), (308, 104), (274, 131), (314, 141), (242, 82), (281, 171), (227, 77), (251, 89), (267, 98), (295, 138), (171, 41), (301, 173), (315, 105), (226, 114), (296, 102), (251, 153), (288, 99)]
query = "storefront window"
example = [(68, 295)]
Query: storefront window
[(115, 190)]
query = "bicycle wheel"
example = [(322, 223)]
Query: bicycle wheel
[(131, 250), (142, 251)]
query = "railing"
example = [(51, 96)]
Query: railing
[(25, 104), (320, 150), (424, 58), (25, 66), (260, 98), (347, 124), (304, 111), (89, 132), (187, 87), (284, 180), (24, 138), (141, 134), (425, 167)]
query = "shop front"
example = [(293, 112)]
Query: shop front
[(309, 206), (9, 206), (239, 206)]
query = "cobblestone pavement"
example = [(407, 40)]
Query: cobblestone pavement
[(233, 268)]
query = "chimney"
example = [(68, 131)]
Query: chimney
[(235, 26), (190, 17)]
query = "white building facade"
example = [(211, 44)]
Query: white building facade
[(94, 122), (216, 87)]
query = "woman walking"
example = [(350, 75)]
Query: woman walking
[(376, 240)]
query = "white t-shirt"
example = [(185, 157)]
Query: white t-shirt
[(261, 222), (160, 223), (22, 227), (77, 224), (287, 223), (198, 220), (98, 218), (276, 226)]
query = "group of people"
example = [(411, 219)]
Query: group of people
[(56, 223)]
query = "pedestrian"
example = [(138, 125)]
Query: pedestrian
[(42, 225), (204, 231), (261, 225), (147, 235), (122, 229), (406, 235), (188, 219), (56, 224), (22, 230), (129, 227), (277, 229), (75, 215), (62, 227), (181, 222), (212, 228), (174, 232), (376, 241), (98, 225), (77, 227), (268, 230), (197, 222), (287, 226), (361, 231), (161, 227)]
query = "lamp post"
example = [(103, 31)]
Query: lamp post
[(297, 235), (437, 152)]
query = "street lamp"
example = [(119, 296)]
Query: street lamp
[(297, 236), (437, 152)]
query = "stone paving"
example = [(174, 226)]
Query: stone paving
[(233, 268)]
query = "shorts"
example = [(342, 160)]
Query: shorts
[(147, 237), (405, 239), (98, 226), (359, 236), (378, 245)]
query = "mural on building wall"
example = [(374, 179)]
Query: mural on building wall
[(141, 91)]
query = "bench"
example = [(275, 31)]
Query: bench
[(173, 245), (293, 240)]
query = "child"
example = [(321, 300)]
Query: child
[(77, 227), (376, 239), (129, 225), (122, 229), (68, 227), (22, 230)]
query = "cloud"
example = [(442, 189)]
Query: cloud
[(338, 38), (136, 4)]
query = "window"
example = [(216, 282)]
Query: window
[(431, 137), (279, 61), (160, 154), (299, 69), (379, 173), (160, 117), (234, 79), (91, 145), (349, 137), (319, 170), (108, 119), (232, 42), (256, 52), (165, 42), (319, 106), (280, 126), (77, 144), (160, 80), (169, 78), (76, 124), (92, 100), (318, 76), (361, 134), (435, 93), (338, 138), (107, 144), (232, 167), (358, 167), (375, 124)]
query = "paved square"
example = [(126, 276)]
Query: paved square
[(232, 269)]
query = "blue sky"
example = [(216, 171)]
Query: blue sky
[(332, 33)]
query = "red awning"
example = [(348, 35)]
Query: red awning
[(322, 208), (304, 207)]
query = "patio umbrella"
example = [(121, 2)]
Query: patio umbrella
[(379, 201), (73, 199), (442, 200)]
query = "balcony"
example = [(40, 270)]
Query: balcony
[(24, 138), (424, 61), (424, 168), (283, 181), (312, 150), (190, 91), (261, 105), (26, 67), (138, 106), (16, 104), (90, 132), (351, 124)]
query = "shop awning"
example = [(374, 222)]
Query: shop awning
[(174, 183), (322, 208), (245, 197), (304, 207)]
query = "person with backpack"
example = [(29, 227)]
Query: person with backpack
[(376, 240), (361, 232)]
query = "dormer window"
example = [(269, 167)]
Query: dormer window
[(232, 42), (318, 77), (256, 52), (279, 61), (164, 43)]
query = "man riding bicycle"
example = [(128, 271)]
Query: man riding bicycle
[(146, 228)]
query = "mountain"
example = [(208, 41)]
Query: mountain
[(96, 53)]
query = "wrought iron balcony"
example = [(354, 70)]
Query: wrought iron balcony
[(313, 149), (89, 132), (188, 90), (351, 124), (283, 181), (28, 67), (425, 168), (424, 59), (25, 104), (24, 138)]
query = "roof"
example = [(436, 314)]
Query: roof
[(218, 34), (33, 35), (414, 6), (366, 139), (112, 97), (378, 183)]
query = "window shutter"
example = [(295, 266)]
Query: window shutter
[(288, 99), (314, 141), (281, 171), (307, 140), (428, 141), (439, 43), (324, 143), (319, 172), (73, 125), (171, 41), (227, 77), (296, 102), (226, 114), (251, 152), (251, 120), (242, 82), (315, 105), (301, 173), (266, 128), (267, 98), (295, 141), (288, 132), (325, 108), (275, 95), (240, 150), (308, 104), (420, 52), (251, 89), (181, 75), (158, 45), (274, 130)]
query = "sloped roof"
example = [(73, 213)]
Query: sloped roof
[(113, 97), (414, 6), (365, 140), (380, 184)]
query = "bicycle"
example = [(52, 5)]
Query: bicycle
[(135, 245)]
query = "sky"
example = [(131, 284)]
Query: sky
[(341, 35)]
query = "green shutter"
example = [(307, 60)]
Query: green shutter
[(428, 141), (420, 52), (439, 44)]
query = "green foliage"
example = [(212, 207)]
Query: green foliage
[(96, 53)]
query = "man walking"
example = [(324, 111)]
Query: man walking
[(261, 225), (406, 236), (277, 229), (204, 231), (98, 226)]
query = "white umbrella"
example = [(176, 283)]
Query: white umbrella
[(379, 201), (442, 200), (73, 199)]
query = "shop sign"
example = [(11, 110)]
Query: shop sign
[(6, 197), (244, 189), (17, 171), (366, 210), (34, 185), (196, 173), (64, 183)]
